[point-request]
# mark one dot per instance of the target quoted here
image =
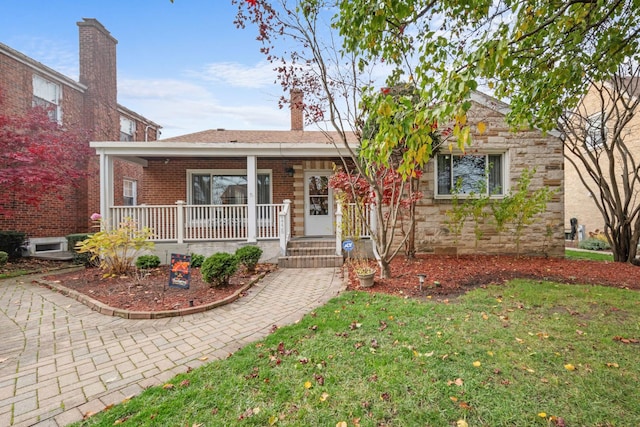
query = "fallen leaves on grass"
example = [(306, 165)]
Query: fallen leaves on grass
[(624, 340)]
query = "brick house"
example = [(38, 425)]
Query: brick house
[(193, 202), (90, 104)]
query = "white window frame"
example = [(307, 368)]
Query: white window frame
[(48, 94), (594, 131), (134, 191), (227, 172), (504, 163), (128, 128)]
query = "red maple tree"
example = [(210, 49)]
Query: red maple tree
[(38, 157)]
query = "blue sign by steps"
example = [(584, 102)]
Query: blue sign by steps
[(347, 245)]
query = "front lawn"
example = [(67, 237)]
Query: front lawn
[(522, 354), (593, 256)]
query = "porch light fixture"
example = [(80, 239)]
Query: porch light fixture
[(422, 277), (289, 171)]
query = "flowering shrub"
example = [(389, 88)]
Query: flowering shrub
[(115, 250)]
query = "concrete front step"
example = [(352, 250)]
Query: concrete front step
[(311, 251), (314, 261), (311, 243)]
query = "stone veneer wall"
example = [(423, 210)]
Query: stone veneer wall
[(525, 149)]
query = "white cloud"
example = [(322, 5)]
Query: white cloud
[(182, 107), (168, 89), (238, 75), (59, 56)]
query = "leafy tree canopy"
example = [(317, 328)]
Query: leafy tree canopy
[(38, 157), (538, 55)]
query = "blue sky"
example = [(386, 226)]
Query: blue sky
[(183, 65)]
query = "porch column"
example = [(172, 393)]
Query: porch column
[(106, 188), (252, 204), (339, 227), (180, 221)]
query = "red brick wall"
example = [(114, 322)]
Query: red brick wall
[(165, 183), (57, 215), (13, 77), (94, 110), (98, 73)]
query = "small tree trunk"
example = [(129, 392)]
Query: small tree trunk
[(411, 239), (624, 244), (385, 269)]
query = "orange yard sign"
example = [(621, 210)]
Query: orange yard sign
[(180, 273)]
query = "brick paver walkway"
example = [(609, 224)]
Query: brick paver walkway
[(60, 360)]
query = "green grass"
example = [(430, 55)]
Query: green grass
[(495, 357), (16, 273), (594, 256)]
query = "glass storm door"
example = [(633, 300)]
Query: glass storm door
[(318, 205)]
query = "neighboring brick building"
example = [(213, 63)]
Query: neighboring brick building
[(90, 104), (596, 103)]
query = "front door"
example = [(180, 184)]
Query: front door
[(318, 204)]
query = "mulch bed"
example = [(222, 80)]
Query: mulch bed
[(446, 277)]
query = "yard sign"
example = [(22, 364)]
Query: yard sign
[(180, 273)]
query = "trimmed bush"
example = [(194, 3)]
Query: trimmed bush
[(72, 241), (594, 244), (4, 257), (197, 260), (11, 242), (145, 262), (218, 268), (249, 256)]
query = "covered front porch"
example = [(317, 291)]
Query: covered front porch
[(220, 195)]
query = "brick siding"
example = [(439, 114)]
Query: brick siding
[(94, 109)]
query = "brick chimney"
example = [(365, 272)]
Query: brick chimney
[(297, 106), (98, 73)]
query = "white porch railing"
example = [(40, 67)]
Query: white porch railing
[(284, 226), (182, 222), (162, 219), (352, 224)]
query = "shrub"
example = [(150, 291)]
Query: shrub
[(594, 244), (4, 257), (597, 234), (148, 261), (72, 243), (197, 260), (249, 256), (11, 242), (218, 268), (116, 249)]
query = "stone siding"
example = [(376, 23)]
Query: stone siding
[(525, 149)]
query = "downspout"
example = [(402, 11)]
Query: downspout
[(146, 132)]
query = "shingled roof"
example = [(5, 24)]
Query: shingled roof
[(262, 136)]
